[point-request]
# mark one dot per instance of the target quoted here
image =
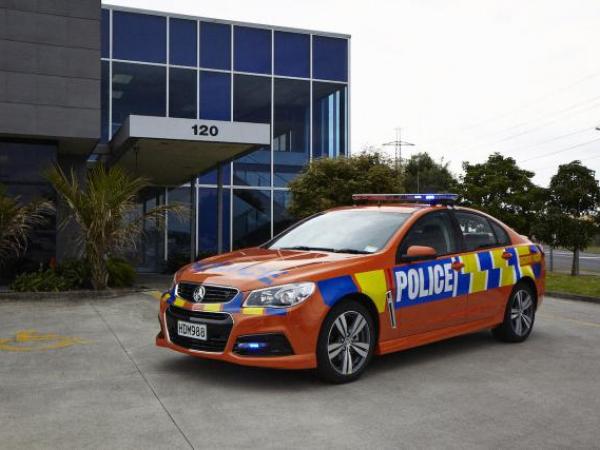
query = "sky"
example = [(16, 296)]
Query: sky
[(461, 78)]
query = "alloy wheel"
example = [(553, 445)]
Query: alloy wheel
[(521, 313), (349, 342)]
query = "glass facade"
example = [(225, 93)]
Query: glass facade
[(174, 66), (22, 168), (182, 93)]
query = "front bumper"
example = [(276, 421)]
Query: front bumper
[(300, 326)]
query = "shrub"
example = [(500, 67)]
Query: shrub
[(77, 272), (73, 274), (120, 273), (41, 281)]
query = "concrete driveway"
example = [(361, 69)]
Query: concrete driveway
[(87, 375)]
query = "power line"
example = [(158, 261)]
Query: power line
[(545, 155), (576, 159), (536, 100), (555, 138), (547, 96), (484, 141)]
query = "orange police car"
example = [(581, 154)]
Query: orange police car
[(343, 285)]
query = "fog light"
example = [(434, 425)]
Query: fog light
[(252, 345), (271, 344)]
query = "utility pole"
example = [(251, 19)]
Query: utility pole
[(398, 144)]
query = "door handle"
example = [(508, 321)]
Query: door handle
[(507, 255), (457, 265)]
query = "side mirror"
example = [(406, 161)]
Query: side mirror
[(418, 253)]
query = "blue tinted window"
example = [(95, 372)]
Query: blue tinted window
[(253, 169), (330, 58), (215, 96), (330, 119), (105, 32), (252, 103), (251, 217), (183, 42), (211, 176), (215, 46), (207, 220), (137, 89), (291, 129), (252, 99), (139, 37), (179, 235), (182, 93), (282, 218), (104, 99), (149, 254), (292, 54), (252, 50)]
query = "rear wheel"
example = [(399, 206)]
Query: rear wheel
[(346, 343), (519, 315)]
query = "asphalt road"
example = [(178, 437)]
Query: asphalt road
[(89, 376), (588, 262)]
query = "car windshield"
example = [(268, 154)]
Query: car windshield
[(343, 231)]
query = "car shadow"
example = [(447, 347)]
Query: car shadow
[(243, 377)]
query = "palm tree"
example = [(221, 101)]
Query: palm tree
[(105, 209), (17, 222)]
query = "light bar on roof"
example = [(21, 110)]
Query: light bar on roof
[(432, 199)]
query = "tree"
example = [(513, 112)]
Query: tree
[(104, 207), (574, 201), (329, 182), (504, 190), (17, 222), (423, 174)]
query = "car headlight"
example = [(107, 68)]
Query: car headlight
[(282, 296)]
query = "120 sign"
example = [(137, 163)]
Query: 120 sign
[(205, 130)]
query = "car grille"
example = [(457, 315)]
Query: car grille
[(218, 328), (214, 294)]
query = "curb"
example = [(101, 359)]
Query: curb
[(74, 295), (581, 298)]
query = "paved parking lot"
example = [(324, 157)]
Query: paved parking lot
[(87, 375)]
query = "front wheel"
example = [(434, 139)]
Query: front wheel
[(346, 343), (518, 317)]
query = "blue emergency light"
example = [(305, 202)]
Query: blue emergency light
[(432, 199), (252, 345)]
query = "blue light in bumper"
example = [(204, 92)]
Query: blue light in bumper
[(252, 345)]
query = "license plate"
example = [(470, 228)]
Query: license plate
[(191, 330)]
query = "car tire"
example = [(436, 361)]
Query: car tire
[(346, 342), (519, 315)]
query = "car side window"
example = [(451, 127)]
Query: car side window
[(500, 233), (477, 231), (434, 230)]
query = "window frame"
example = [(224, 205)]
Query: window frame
[(454, 228)]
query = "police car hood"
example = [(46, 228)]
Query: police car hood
[(256, 268)]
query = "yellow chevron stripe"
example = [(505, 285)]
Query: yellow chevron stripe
[(507, 276), (257, 311), (179, 302), (527, 271), (374, 285), (497, 260), (471, 263), (213, 307), (525, 260)]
